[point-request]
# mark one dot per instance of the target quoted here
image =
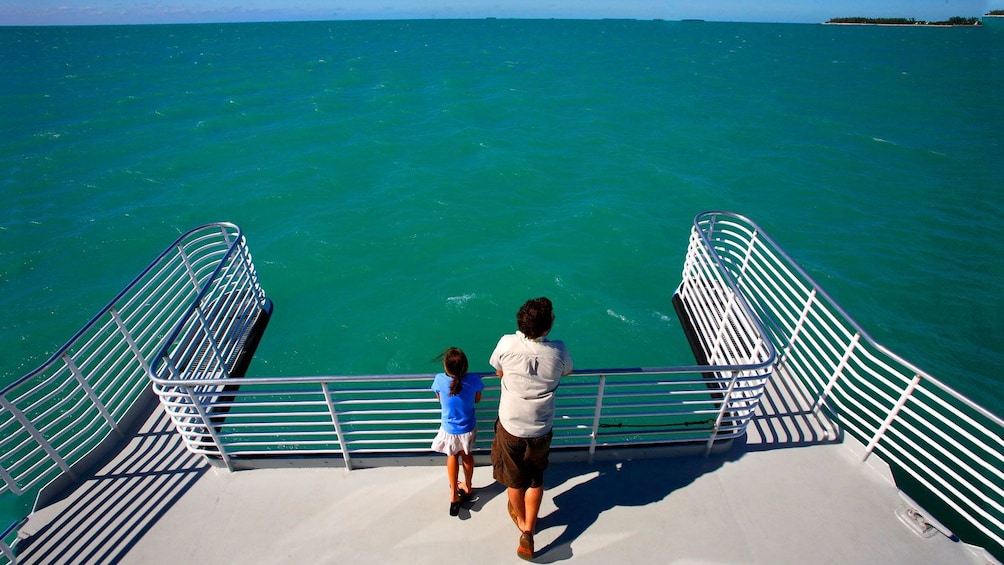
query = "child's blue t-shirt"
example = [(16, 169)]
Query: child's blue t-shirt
[(458, 411)]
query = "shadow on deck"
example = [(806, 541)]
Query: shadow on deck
[(104, 517), (758, 502)]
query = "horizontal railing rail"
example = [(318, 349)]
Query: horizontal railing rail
[(86, 392), (932, 436), (7, 540), (349, 416), (358, 416), (749, 311)]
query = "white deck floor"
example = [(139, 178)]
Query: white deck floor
[(789, 494)]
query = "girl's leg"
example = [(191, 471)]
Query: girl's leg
[(452, 473), (468, 461)]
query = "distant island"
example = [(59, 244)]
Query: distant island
[(956, 21)]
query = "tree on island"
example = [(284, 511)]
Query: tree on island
[(954, 21)]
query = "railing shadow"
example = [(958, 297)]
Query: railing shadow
[(107, 514), (110, 512), (784, 420)]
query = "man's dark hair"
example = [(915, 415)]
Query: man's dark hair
[(535, 317)]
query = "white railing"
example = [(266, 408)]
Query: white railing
[(364, 418), (243, 420), (7, 541), (929, 434), (749, 310), (85, 394)]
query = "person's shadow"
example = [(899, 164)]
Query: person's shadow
[(616, 483)]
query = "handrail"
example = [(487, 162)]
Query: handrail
[(752, 309), (951, 448), (54, 416), (7, 543), (228, 418), (363, 416)]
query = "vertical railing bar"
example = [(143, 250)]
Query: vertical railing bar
[(36, 435), (721, 413), (719, 332), (880, 432), (746, 258), (8, 553), (208, 424), (799, 324), (10, 482), (226, 236), (596, 417), (211, 339), (89, 391), (338, 426), (188, 267), (837, 373)]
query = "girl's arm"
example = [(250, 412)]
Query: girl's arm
[(477, 397)]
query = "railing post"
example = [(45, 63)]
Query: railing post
[(721, 413), (596, 417), (10, 482), (726, 317), (837, 373), (188, 268), (880, 433), (226, 235), (251, 273), (797, 330), (7, 552), (208, 424), (102, 409), (127, 335), (36, 435), (746, 258), (211, 340), (338, 427)]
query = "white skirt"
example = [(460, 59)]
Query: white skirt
[(453, 444)]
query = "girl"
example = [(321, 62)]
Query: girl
[(457, 392)]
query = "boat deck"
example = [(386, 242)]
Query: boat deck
[(794, 491)]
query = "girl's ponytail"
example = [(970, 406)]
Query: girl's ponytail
[(455, 363)]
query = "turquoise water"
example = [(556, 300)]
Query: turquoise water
[(405, 185)]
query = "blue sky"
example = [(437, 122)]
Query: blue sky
[(60, 12)]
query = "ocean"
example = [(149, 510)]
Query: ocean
[(405, 185)]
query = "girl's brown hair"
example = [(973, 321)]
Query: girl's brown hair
[(455, 363)]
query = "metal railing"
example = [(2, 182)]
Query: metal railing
[(366, 417), (54, 416), (353, 417), (942, 441), (750, 309)]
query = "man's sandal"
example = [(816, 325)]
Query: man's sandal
[(525, 549)]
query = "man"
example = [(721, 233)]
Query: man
[(531, 368)]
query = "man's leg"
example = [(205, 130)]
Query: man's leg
[(517, 500), (532, 499), (467, 460)]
